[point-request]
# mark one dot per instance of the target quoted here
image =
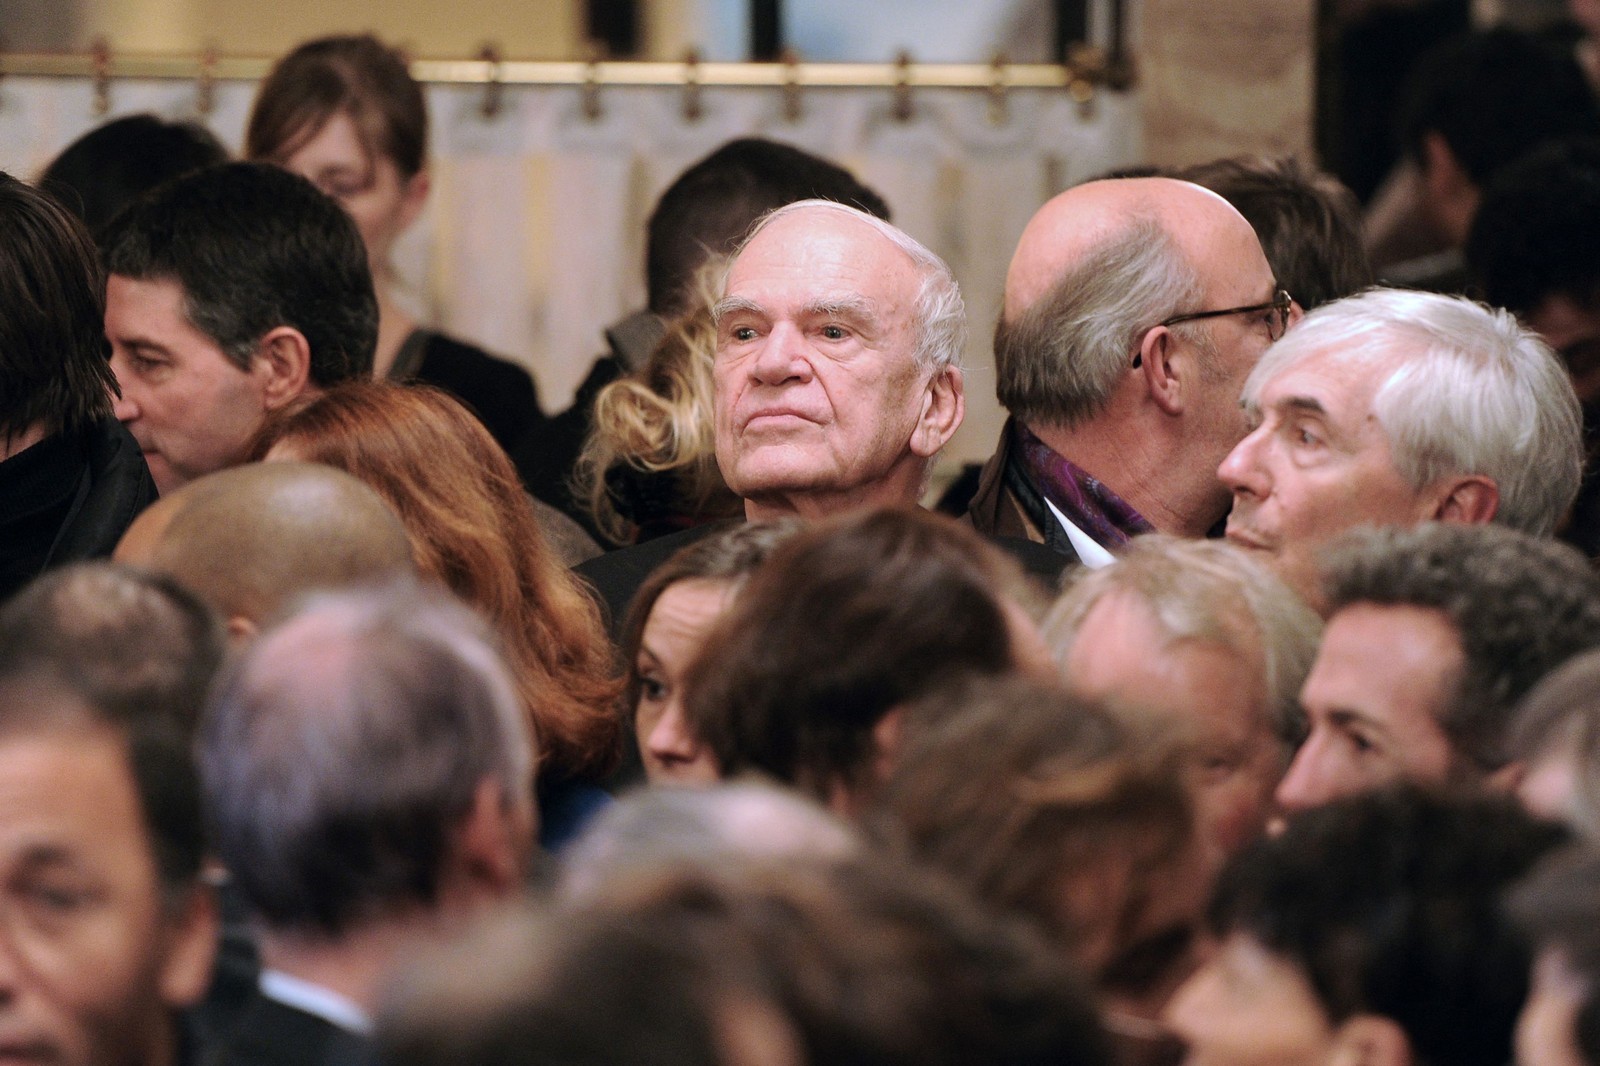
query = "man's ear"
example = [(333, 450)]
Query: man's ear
[(944, 405), (191, 930), (494, 841), (1472, 500), (412, 198), (1370, 1040), (1155, 362), (283, 359), (1508, 778), (241, 630)]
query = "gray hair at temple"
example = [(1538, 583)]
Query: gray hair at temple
[(1469, 391), (704, 827), (1058, 361), (344, 749), (939, 315), (1208, 591)]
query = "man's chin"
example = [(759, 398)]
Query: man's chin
[(167, 479)]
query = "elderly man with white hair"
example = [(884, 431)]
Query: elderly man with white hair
[(1391, 408), (837, 375)]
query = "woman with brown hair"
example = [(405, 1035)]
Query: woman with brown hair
[(472, 527), (663, 631), (345, 113)]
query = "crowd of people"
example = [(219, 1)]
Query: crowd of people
[(1243, 709)]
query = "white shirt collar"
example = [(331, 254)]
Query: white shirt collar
[(1090, 554), (315, 1000)]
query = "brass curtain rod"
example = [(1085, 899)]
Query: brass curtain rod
[(1088, 68)]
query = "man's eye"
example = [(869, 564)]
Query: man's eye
[(743, 333), (54, 899), (834, 333)]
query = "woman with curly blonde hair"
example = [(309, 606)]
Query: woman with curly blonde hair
[(472, 527), (649, 466)]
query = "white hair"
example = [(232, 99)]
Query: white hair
[(1467, 391), (939, 314), (1205, 590)]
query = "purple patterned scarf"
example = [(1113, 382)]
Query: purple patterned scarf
[(1088, 504)]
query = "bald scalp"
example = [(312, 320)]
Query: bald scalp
[(252, 539), (1085, 218), (1096, 269)]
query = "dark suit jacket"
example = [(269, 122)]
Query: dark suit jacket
[(1006, 505), (616, 576), (270, 1033)]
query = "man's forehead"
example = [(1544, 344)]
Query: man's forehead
[(1334, 378), (817, 234)]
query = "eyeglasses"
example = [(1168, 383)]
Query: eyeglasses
[(1280, 306)]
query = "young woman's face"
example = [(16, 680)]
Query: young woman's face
[(366, 184), (677, 623)]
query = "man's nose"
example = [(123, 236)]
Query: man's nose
[(1241, 470), (1307, 783), (783, 356), (123, 404)]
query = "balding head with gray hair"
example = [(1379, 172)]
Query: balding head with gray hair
[(346, 751), (1134, 308)]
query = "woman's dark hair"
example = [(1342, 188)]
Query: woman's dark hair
[(731, 555), (53, 353), (843, 623), (355, 75)]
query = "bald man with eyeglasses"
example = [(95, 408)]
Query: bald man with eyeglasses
[(1134, 310)]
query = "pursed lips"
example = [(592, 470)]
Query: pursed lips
[(772, 414), (1242, 538)]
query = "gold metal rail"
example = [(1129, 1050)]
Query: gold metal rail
[(1087, 69)]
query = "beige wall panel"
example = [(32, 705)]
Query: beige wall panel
[(523, 29), (1224, 78)]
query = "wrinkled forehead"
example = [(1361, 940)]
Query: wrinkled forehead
[(823, 237), (1350, 370)]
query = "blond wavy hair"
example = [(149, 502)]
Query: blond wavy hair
[(659, 424)]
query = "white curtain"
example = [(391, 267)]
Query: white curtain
[(532, 241)]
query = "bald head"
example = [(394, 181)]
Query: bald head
[(1085, 218), (1097, 272), (252, 539)]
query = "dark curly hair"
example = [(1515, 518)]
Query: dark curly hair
[(1390, 904), (1520, 605)]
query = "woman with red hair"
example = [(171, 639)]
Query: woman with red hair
[(472, 528)]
